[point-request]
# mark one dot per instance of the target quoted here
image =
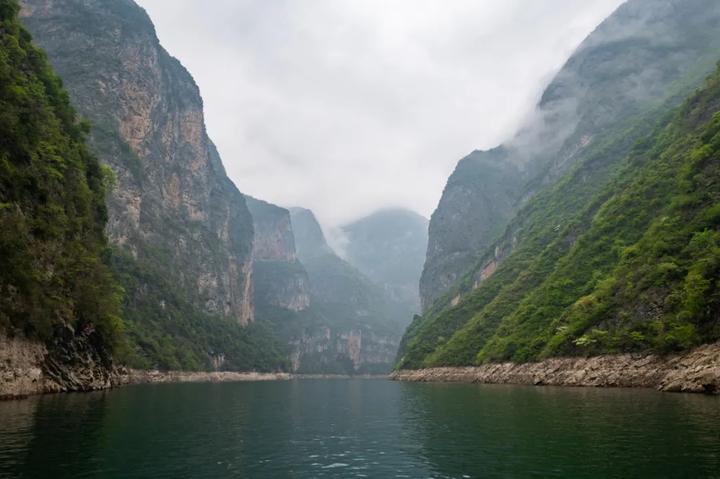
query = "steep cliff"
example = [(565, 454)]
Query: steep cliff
[(352, 326), (59, 305), (280, 280), (182, 231), (389, 248), (619, 254), (173, 204), (648, 53)]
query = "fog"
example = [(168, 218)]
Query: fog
[(347, 106)]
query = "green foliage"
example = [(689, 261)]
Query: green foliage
[(165, 331), (52, 202), (635, 268)]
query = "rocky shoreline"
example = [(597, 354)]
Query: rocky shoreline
[(124, 377), (28, 368), (696, 371)]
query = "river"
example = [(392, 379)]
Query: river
[(360, 428)]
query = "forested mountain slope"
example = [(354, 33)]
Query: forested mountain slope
[(55, 288), (647, 54), (635, 268)]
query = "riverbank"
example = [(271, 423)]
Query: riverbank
[(696, 371), (27, 369), (124, 377)]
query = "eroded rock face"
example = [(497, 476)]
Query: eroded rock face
[(173, 205), (479, 197), (74, 361), (339, 350), (639, 57), (280, 279), (695, 371)]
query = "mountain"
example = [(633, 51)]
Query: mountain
[(280, 279), (352, 325), (59, 305), (578, 268), (389, 247), (648, 53), (181, 231)]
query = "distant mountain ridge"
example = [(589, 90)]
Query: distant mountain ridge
[(389, 247), (353, 325)]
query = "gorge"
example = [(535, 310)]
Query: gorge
[(257, 338)]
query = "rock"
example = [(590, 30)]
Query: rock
[(173, 206), (696, 371), (71, 362)]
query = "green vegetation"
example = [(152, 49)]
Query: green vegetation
[(52, 202), (165, 331), (634, 266), (55, 265)]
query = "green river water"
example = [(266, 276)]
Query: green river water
[(360, 428)]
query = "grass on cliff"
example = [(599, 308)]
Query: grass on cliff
[(635, 269)]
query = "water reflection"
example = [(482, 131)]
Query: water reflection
[(53, 436), (16, 433), (518, 431), (360, 428)]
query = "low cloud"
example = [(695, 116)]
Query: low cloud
[(347, 106)]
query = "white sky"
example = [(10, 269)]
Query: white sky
[(347, 106)]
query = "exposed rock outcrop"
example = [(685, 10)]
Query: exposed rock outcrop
[(695, 371), (73, 362), (173, 206), (343, 350), (279, 278)]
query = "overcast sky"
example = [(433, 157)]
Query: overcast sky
[(347, 106)]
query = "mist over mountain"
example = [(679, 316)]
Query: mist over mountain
[(645, 54), (354, 324), (389, 247), (504, 278)]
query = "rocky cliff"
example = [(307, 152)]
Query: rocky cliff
[(280, 280), (173, 206), (71, 362), (389, 247), (645, 54)]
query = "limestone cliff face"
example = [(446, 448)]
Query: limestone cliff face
[(329, 350), (646, 53), (173, 206), (279, 278)]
